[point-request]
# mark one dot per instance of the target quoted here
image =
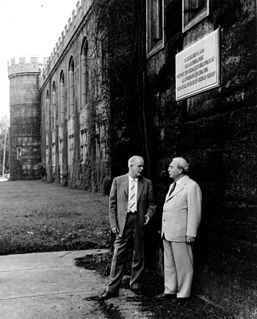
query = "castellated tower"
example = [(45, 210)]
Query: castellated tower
[(25, 151)]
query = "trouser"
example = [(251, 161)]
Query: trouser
[(121, 251), (178, 268)]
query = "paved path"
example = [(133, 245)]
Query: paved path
[(51, 286)]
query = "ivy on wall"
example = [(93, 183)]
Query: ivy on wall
[(122, 23)]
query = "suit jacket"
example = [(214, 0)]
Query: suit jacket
[(182, 211), (118, 202)]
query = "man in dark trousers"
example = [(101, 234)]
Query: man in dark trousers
[(131, 206)]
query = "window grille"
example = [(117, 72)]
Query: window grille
[(154, 26), (193, 11)]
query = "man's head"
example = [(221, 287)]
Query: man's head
[(178, 168), (136, 166)]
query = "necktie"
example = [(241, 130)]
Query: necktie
[(172, 189), (132, 196)]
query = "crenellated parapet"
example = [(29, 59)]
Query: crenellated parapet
[(82, 8), (24, 65)]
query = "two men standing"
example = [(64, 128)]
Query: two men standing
[(131, 206)]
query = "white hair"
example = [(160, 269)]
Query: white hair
[(182, 164), (133, 159)]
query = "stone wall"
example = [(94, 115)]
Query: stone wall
[(216, 131), (126, 44), (74, 107), (24, 118)]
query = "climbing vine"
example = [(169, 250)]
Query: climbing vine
[(120, 25), (116, 119)]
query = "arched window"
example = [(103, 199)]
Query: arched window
[(61, 97), (84, 73), (47, 109), (71, 87), (54, 106), (47, 124)]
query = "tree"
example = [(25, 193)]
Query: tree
[(4, 145)]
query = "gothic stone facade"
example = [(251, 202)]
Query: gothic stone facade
[(73, 106)]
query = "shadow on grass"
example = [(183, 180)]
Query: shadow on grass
[(153, 284), (109, 310)]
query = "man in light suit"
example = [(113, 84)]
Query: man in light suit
[(131, 206), (180, 221)]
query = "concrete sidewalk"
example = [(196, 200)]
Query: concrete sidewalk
[(51, 286)]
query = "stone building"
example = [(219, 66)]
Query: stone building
[(90, 92), (201, 98), (74, 107), (85, 88), (161, 78), (25, 138)]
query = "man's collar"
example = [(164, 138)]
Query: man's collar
[(181, 179), (132, 179)]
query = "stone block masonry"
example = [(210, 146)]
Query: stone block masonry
[(25, 139)]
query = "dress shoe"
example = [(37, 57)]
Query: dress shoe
[(137, 291), (163, 296), (108, 294)]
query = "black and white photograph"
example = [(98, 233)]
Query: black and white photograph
[(128, 159)]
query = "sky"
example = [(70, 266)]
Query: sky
[(29, 28)]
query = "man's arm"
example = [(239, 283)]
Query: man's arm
[(194, 201), (151, 204), (113, 207)]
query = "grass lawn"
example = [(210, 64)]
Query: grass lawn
[(36, 216)]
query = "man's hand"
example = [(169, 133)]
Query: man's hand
[(147, 218), (115, 230), (190, 239)]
